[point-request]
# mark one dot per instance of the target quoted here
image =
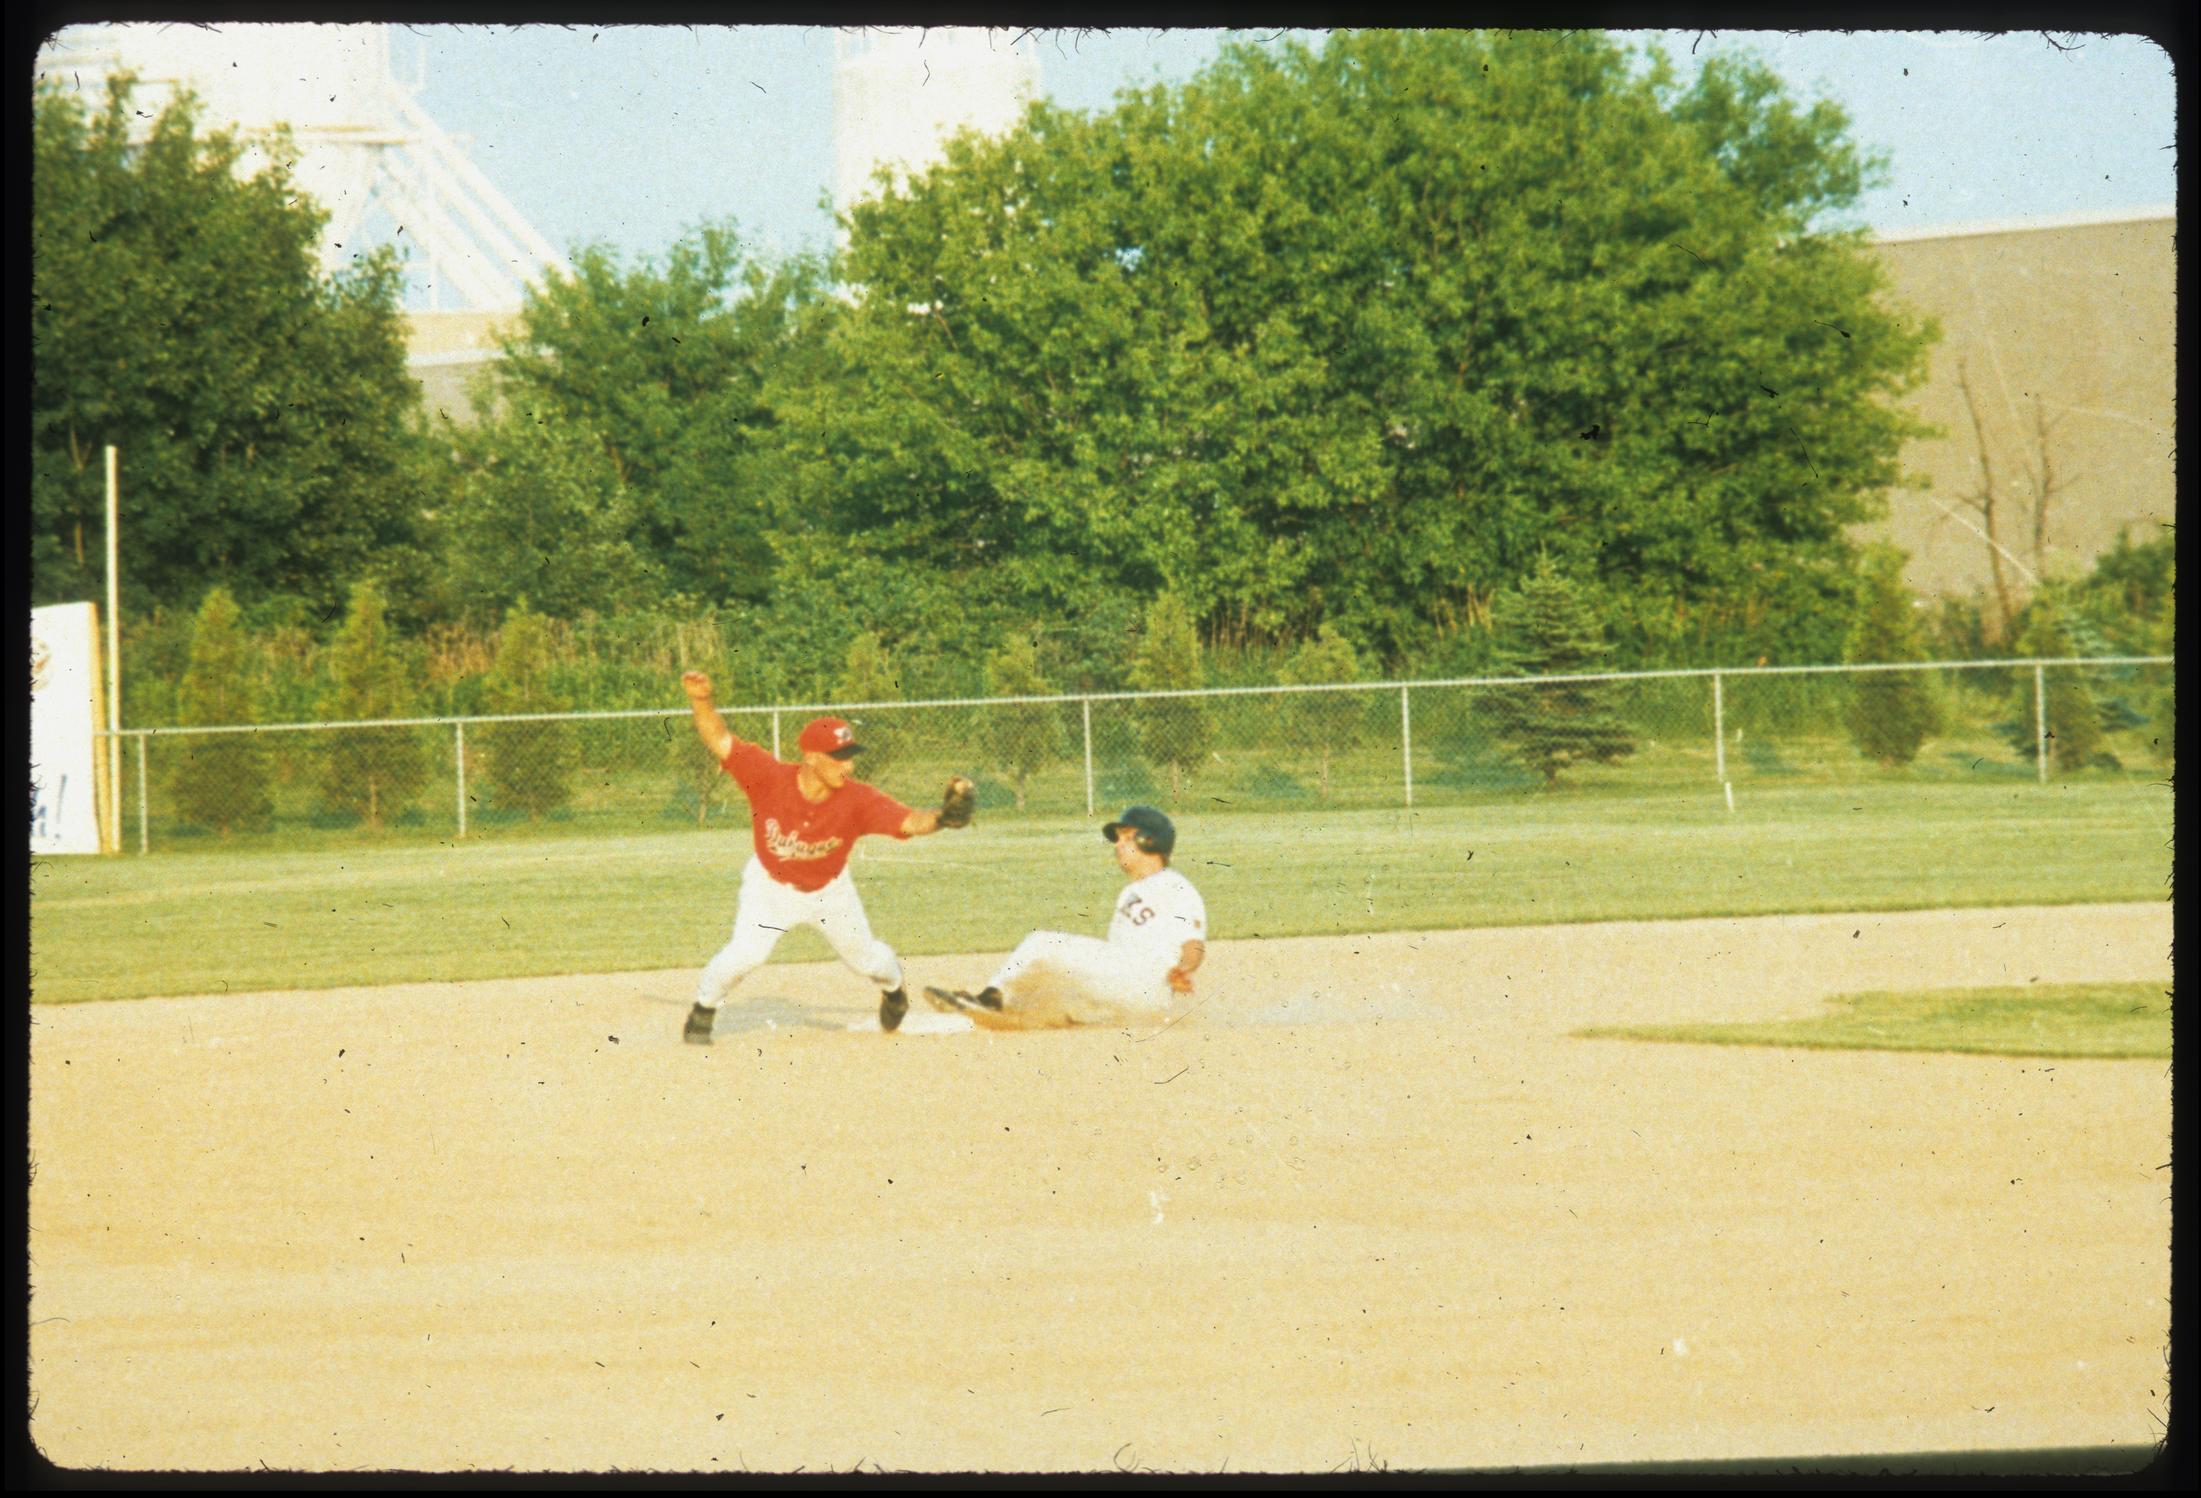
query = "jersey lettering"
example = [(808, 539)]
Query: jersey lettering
[(803, 843), (1162, 908), (786, 845)]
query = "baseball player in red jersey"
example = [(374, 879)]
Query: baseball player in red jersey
[(806, 818)]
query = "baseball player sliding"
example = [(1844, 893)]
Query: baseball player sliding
[(806, 818), (1156, 940)]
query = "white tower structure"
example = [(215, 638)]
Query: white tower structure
[(367, 153), (899, 94)]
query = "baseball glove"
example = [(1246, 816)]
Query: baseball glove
[(960, 802)]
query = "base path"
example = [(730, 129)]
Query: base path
[(1370, 1204)]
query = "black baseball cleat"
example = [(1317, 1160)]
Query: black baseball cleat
[(698, 1031), (892, 1006), (954, 1000)]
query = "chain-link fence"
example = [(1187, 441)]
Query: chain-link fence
[(1359, 745)]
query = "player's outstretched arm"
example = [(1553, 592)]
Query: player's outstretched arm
[(955, 809), (709, 726), (1180, 976)]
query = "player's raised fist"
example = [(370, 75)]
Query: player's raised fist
[(696, 685)]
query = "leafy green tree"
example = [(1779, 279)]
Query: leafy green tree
[(539, 513), (260, 408), (740, 680), (370, 772), (1333, 722), (697, 775), (869, 674), (529, 766), (1549, 627), (1355, 333), (220, 780), (826, 587), (1173, 731), (1023, 738), (664, 366), (1891, 713)]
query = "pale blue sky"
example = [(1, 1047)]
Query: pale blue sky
[(628, 136)]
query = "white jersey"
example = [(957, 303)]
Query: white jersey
[(1055, 978), (1162, 912)]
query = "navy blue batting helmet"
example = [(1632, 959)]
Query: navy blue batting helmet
[(1156, 833)]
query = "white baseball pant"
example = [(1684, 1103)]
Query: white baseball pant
[(1056, 977), (768, 910)]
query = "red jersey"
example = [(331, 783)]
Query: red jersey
[(801, 842)]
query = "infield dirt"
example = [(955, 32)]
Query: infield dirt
[(1369, 1204)]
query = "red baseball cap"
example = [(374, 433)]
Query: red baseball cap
[(829, 736)]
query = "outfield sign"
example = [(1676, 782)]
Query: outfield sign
[(66, 753)]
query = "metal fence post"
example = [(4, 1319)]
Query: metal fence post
[(1085, 706), (1719, 732), (2040, 720), (144, 842), (458, 758), (775, 733), (1406, 744)]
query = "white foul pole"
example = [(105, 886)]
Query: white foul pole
[(114, 661)]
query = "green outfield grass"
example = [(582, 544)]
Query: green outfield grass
[(2098, 1020), (513, 904)]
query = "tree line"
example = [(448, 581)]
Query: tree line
[(1328, 349), (1546, 631)]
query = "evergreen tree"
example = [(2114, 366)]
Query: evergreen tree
[(1549, 627), (2166, 699), (291, 657), (1175, 731), (1891, 713), (2127, 590), (1022, 738), (370, 772), (529, 766), (220, 780), (2127, 605), (869, 674), (2074, 715), (1333, 722)]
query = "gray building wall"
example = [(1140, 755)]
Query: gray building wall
[(2067, 325), (449, 353)]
